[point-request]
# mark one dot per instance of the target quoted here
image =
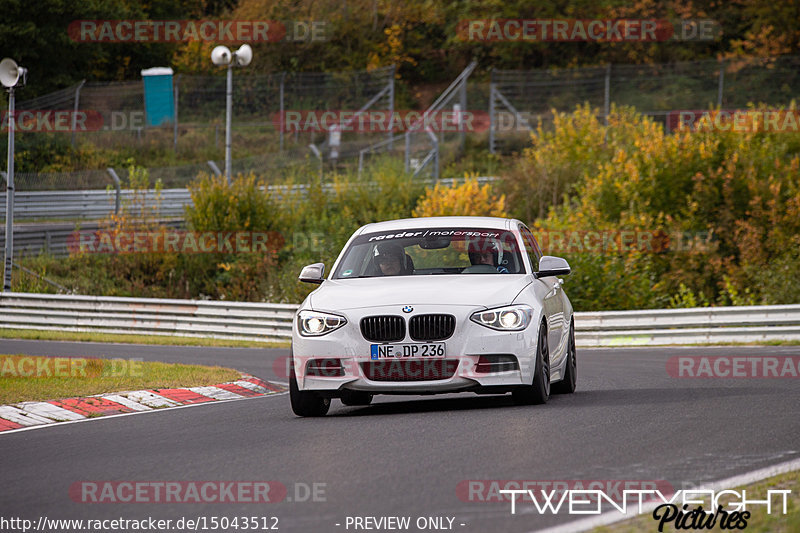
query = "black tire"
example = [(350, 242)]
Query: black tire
[(539, 391), (568, 384), (356, 398), (306, 403)]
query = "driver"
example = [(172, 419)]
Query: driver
[(390, 259), (487, 253)]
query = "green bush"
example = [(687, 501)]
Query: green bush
[(736, 193)]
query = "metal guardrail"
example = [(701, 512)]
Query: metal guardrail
[(93, 204), (56, 239), (697, 325), (266, 321), (98, 204), (147, 316)]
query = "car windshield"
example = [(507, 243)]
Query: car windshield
[(431, 251)]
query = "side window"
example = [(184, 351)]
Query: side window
[(531, 247)]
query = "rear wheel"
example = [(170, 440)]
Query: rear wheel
[(567, 385), (539, 391), (355, 398), (307, 403)]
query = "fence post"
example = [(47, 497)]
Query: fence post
[(407, 151), (75, 109), (492, 89), (390, 133), (607, 93), (118, 186), (721, 82), (175, 118), (283, 78), (9, 243), (463, 101)]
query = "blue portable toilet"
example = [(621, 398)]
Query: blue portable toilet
[(159, 101)]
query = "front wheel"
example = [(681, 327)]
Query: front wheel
[(567, 385), (306, 403), (538, 392)]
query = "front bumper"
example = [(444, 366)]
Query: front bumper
[(464, 349)]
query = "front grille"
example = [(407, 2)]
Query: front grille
[(410, 370), (431, 327), (383, 328)]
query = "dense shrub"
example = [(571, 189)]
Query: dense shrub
[(467, 199), (726, 202)]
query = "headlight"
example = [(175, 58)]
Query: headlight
[(510, 318), (315, 323)]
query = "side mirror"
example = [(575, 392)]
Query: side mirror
[(552, 266), (312, 273)]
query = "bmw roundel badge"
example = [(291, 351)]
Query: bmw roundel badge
[(407, 309)]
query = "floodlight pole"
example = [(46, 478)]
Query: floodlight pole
[(9, 244), (228, 112)]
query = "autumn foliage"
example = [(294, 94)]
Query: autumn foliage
[(467, 199), (726, 203)]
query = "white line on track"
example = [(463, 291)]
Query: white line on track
[(612, 517)]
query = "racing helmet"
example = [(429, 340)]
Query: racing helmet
[(390, 250)]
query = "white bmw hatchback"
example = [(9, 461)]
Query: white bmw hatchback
[(434, 305)]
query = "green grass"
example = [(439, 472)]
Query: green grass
[(759, 520), (165, 340), (31, 378)]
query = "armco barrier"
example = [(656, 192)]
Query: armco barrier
[(698, 325), (54, 237), (147, 316), (266, 321), (99, 204)]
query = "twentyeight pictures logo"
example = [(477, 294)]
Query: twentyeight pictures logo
[(682, 509)]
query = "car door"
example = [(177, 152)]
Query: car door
[(552, 296)]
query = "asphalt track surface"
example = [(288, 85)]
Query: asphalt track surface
[(405, 456)]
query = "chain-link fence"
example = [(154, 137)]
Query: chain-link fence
[(520, 99), (112, 115), (438, 131), (501, 112)]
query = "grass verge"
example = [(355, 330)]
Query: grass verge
[(123, 338), (759, 520), (35, 378)]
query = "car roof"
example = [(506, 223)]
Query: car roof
[(437, 222)]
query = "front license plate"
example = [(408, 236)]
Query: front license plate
[(399, 351)]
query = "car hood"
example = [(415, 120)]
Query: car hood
[(483, 290)]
